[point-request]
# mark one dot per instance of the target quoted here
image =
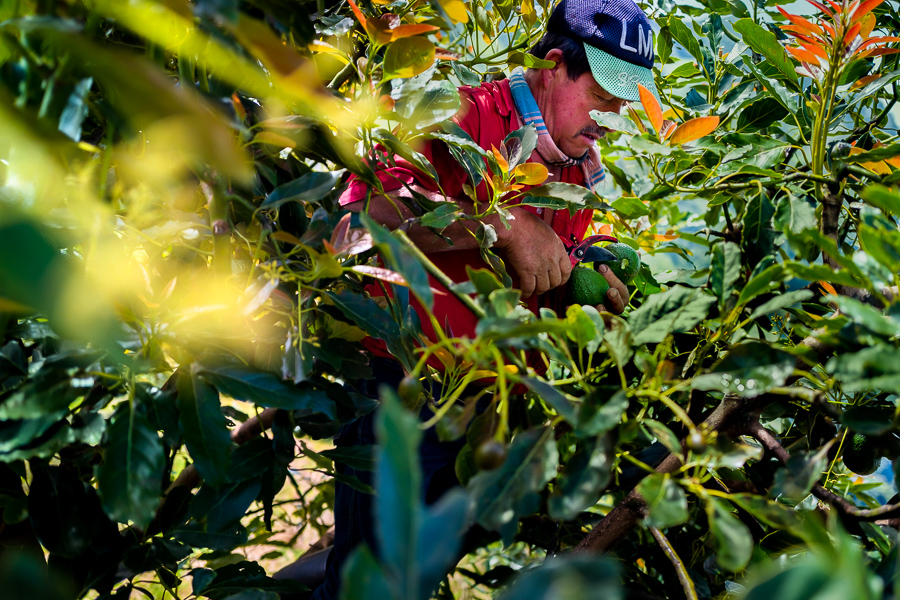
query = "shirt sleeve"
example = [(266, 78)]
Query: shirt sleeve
[(451, 175)]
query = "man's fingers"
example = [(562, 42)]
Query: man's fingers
[(527, 285), (542, 282), (555, 277), (618, 292)]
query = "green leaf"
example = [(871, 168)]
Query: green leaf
[(781, 301), (400, 260), (586, 475), (769, 512), (630, 208), (732, 539), (666, 501), (801, 582), (129, 479), (424, 105), (880, 196), (599, 413), (786, 98), (266, 389), (581, 577), (678, 309), (552, 396), (312, 186), (529, 61), (761, 283), (558, 195), (872, 368), (686, 38), (393, 143), (519, 145), (748, 370), (504, 495), (801, 472), (614, 121), (203, 426), (398, 479), (867, 316), (870, 420), (760, 115), (764, 42), (664, 435), (408, 57), (368, 316), (363, 579), (725, 269)]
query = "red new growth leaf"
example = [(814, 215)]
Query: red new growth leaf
[(815, 49), (851, 33), (879, 52), (838, 9), (651, 107), (694, 129), (359, 16), (864, 9), (410, 30), (803, 55), (865, 81), (802, 23), (821, 7)]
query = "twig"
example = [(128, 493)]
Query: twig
[(768, 441), (686, 582)]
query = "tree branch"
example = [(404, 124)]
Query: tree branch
[(686, 582)]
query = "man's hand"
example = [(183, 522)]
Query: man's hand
[(617, 296), (535, 253)]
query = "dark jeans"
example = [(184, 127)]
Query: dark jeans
[(354, 510)]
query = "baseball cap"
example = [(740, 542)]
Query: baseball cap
[(618, 41)]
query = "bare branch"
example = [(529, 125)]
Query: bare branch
[(686, 582)]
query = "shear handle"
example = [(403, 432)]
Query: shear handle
[(587, 252)]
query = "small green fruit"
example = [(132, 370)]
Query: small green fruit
[(861, 456), (490, 455), (628, 262), (587, 286), (409, 390)]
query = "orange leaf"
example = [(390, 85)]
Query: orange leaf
[(865, 81), (637, 119), (864, 9), (796, 32), (876, 167), (828, 288), (801, 22), (815, 50), (359, 16), (838, 9), (651, 107), (821, 7), (531, 174), (803, 55), (868, 24), (694, 129), (851, 33), (829, 29), (410, 30), (879, 52), (501, 161)]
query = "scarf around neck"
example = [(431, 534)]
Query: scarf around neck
[(528, 109)]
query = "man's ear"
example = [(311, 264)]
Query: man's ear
[(555, 55)]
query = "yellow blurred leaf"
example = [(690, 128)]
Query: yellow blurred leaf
[(531, 174), (408, 57), (651, 107), (410, 30), (274, 139), (283, 236), (694, 129), (867, 24), (879, 167), (456, 10)]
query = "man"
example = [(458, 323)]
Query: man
[(601, 50)]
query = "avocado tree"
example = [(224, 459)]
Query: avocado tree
[(182, 303)]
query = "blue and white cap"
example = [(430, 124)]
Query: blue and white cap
[(618, 41)]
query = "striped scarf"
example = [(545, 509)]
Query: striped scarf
[(594, 172)]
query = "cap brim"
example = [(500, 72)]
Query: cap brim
[(619, 77)]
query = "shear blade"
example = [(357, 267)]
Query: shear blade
[(598, 254)]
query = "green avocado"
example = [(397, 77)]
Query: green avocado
[(861, 456), (627, 263), (587, 286)]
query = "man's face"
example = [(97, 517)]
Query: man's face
[(567, 108)]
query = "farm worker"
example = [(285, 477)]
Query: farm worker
[(601, 50)]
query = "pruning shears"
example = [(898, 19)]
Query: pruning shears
[(587, 252)]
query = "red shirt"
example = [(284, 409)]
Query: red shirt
[(487, 114)]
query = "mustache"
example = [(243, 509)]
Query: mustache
[(594, 130)]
